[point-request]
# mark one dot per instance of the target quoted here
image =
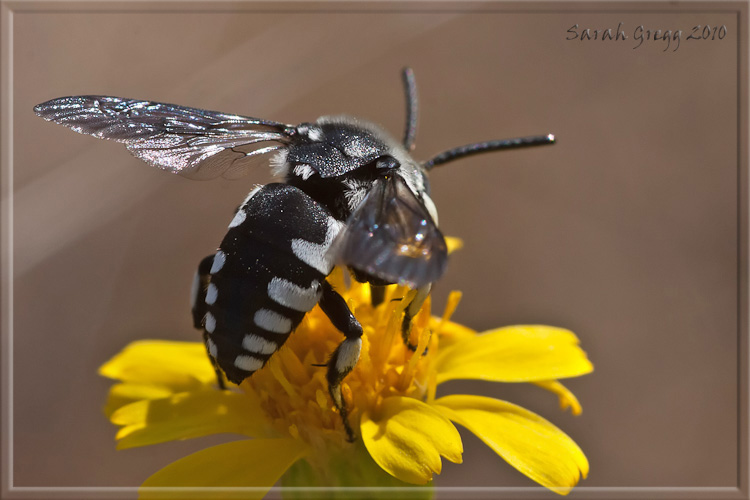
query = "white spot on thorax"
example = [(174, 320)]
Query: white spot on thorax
[(219, 259), (316, 254), (293, 296), (248, 363), (211, 294), (255, 343), (272, 321)]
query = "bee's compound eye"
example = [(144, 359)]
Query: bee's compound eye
[(386, 163), (425, 183)]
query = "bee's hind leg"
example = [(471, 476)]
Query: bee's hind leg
[(410, 311), (198, 306), (346, 355)]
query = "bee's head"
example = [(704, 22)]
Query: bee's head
[(336, 160), (358, 184)]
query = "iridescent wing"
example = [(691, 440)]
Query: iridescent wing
[(392, 236), (192, 142)]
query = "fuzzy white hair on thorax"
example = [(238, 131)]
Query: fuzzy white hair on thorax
[(303, 170), (279, 166)]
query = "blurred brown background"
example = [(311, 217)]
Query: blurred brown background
[(626, 231)]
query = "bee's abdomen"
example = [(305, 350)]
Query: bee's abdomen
[(266, 276)]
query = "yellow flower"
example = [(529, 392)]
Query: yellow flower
[(167, 391)]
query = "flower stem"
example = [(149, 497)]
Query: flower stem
[(347, 475)]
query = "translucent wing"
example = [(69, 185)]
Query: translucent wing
[(192, 142), (392, 236)]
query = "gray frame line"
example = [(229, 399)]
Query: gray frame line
[(7, 10)]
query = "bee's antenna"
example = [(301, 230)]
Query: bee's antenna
[(483, 147), (410, 88)]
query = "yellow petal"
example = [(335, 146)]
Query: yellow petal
[(450, 333), (406, 438), (250, 463), (521, 353), (525, 440), (453, 244), (175, 365), (567, 398), (187, 415), (126, 393)]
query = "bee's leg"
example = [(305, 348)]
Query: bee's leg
[(411, 310), (198, 305), (346, 355), (377, 295)]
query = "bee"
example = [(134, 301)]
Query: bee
[(351, 195)]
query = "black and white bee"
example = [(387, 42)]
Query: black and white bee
[(351, 195)]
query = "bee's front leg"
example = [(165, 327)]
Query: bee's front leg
[(346, 355), (411, 310)]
